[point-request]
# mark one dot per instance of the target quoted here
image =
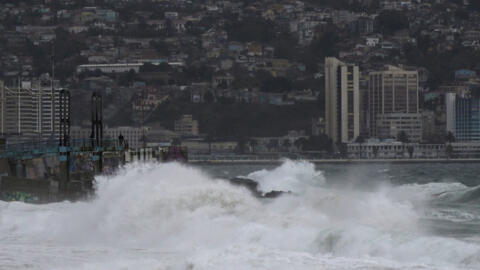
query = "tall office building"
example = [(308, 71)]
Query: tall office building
[(391, 91), (30, 110), (450, 100), (186, 126), (463, 117), (342, 100)]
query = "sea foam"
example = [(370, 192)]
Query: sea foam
[(174, 216)]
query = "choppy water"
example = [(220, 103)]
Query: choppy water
[(171, 216)]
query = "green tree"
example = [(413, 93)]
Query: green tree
[(450, 137), (198, 73), (277, 85), (402, 136), (474, 5), (360, 140), (284, 46), (209, 138), (164, 67), (389, 22), (241, 145), (222, 85), (300, 143), (208, 97), (462, 14), (160, 47), (66, 45), (169, 28), (176, 141), (319, 143), (148, 67), (410, 150), (126, 13), (286, 144), (375, 151), (324, 45), (449, 151), (272, 144), (342, 148), (253, 143), (127, 78), (250, 29)]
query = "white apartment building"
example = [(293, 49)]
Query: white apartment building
[(396, 4), (110, 68), (391, 91), (390, 149), (450, 104), (30, 110), (389, 125), (342, 97), (186, 126)]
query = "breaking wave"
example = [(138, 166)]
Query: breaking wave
[(173, 216), (463, 195)]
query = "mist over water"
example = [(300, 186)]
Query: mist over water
[(173, 216)]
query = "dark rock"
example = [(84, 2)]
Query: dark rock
[(248, 183), (274, 194), (252, 185)]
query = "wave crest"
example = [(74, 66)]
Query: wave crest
[(204, 221)]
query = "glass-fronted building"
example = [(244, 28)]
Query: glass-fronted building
[(467, 119)]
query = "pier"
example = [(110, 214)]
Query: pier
[(59, 168), (47, 171)]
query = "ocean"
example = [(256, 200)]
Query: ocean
[(177, 216)]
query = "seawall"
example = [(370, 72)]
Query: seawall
[(335, 161)]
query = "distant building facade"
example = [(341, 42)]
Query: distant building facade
[(395, 4), (389, 125), (465, 74), (463, 117), (391, 91), (429, 130), (390, 149), (110, 68), (30, 110), (363, 25), (450, 99), (186, 126), (318, 126), (342, 102)]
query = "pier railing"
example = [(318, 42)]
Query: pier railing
[(30, 149), (257, 157)]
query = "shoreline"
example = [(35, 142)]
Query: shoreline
[(336, 161)]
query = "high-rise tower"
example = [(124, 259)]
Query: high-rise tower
[(342, 100)]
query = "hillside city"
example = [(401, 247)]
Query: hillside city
[(284, 78)]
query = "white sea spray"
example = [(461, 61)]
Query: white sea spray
[(173, 216)]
